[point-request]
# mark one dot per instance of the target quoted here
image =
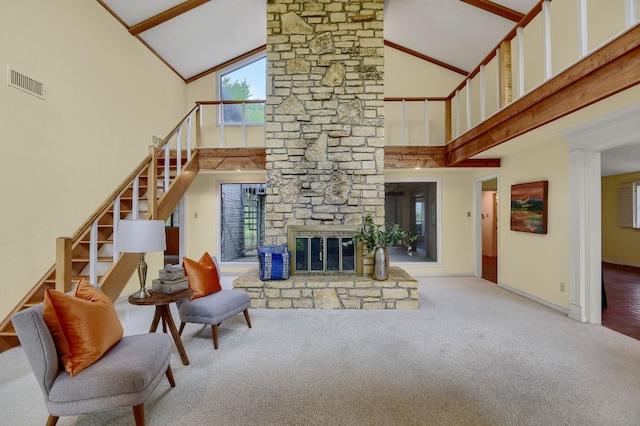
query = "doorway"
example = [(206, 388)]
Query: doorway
[(486, 223), (489, 220)]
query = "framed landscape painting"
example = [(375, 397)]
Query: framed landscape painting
[(529, 207)]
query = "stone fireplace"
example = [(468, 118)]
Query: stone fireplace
[(324, 114), (324, 137)]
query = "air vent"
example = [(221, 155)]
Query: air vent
[(25, 83)]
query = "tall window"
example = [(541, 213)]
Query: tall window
[(246, 82), (243, 218), (414, 206)]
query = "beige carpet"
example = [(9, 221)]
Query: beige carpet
[(473, 354)]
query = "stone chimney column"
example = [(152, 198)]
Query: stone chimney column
[(324, 113)]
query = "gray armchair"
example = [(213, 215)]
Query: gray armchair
[(124, 376)]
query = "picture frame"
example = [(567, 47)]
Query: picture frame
[(529, 207)]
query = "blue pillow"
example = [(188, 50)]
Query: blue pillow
[(282, 248), (274, 266)]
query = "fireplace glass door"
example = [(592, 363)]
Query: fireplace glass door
[(324, 254)]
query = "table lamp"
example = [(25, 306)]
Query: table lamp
[(141, 236)]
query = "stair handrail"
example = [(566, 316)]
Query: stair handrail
[(113, 198), (110, 199)]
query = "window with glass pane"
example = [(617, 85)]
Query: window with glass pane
[(413, 205), (242, 221), (247, 82)]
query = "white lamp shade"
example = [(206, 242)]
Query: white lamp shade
[(140, 236)]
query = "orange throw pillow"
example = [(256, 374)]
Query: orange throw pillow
[(203, 276), (84, 326)]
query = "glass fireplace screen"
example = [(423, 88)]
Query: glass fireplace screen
[(322, 250)]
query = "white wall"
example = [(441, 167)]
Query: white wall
[(533, 263), (107, 94)]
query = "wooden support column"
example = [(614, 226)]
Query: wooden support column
[(447, 120), (152, 183), (506, 75), (63, 264)]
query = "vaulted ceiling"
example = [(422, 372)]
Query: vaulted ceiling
[(196, 36)]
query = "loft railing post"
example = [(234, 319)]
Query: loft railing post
[(244, 124), (583, 31), (179, 152), (469, 118), (520, 36), (152, 183), (447, 120), (199, 126), (426, 122), (403, 123), (546, 19), (483, 93), (189, 138), (63, 264), (457, 105), (498, 80), (631, 13), (221, 115)]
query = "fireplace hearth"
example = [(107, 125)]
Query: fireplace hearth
[(399, 291)]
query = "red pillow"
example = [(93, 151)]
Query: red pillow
[(203, 276), (84, 326)]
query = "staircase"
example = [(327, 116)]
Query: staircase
[(151, 191)]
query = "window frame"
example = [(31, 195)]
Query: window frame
[(218, 232), (438, 212), (229, 69)]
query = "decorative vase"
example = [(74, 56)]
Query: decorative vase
[(380, 264)]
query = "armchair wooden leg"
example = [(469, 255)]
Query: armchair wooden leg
[(52, 420), (169, 374), (214, 331), (138, 413), (181, 328), (246, 316)]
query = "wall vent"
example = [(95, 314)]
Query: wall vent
[(25, 83)]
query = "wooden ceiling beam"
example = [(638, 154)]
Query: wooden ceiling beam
[(232, 159), (163, 17), (250, 53), (395, 157), (496, 9), (425, 57), (607, 71), (411, 157)]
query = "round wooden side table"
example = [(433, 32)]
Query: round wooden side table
[(161, 302)]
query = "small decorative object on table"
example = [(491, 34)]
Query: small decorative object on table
[(376, 239), (171, 280)]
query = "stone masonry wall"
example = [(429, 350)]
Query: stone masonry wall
[(400, 291), (324, 113)]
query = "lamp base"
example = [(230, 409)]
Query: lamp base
[(142, 277), (141, 294)]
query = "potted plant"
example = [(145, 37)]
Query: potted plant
[(376, 238)]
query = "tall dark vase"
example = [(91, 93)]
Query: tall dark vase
[(380, 264)]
